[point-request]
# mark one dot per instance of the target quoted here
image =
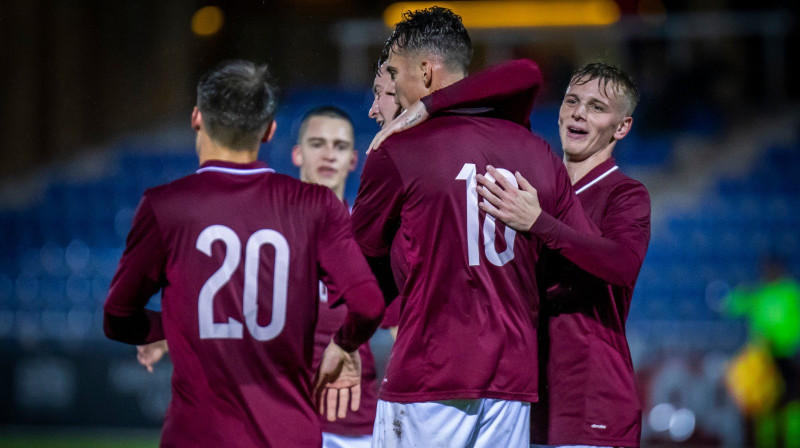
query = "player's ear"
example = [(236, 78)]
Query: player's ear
[(354, 161), (297, 156), (270, 132), (197, 119), (623, 128), (427, 73)]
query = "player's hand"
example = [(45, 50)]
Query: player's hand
[(414, 115), (338, 382), (518, 208), (148, 355)]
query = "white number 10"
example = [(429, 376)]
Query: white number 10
[(468, 174), (233, 249)]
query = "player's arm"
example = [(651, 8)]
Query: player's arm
[(345, 270), (138, 277), (376, 217), (617, 255), (614, 256), (509, 89)]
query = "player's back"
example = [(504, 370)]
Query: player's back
[(466, 329), (240, 304)]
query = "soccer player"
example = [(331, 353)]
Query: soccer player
[(384, 109), (589, 378), (237, 251), (326, 155), (325, 151), (459, 375)]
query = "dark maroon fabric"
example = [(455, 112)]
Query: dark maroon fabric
[(591, 396), (359, 422), (466, 327), (588, 394), (229, 388), (509, 89)]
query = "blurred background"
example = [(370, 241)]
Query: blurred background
[(95, 105)]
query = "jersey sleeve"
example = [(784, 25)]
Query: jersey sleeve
[(347, 274), (617, 254), (376, 212), (567, 209), (509, 89), (140, 275), (341, 262)]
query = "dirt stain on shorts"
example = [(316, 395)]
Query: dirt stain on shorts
[(397, 424)]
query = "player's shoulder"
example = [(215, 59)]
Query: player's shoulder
[(622, 184), (165, 190), (298, 191), (448, 128)]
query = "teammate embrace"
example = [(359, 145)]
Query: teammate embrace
[(513, 270)]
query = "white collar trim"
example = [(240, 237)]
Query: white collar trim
[(240, 172), (599, 178)]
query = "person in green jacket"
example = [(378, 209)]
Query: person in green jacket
[(772, 310)]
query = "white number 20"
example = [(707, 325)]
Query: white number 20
[(233, 249), (468, 173)]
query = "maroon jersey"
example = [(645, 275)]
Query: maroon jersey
[(591, 396), (470, 297), (588, 391), (238, 251)]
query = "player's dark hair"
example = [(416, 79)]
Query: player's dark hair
[(381, 60), (237, 100), (609, 74), (436, 30), (322, 111)]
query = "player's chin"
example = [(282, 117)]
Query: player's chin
[(330, 181)]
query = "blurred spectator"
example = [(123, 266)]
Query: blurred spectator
[(772, 310)]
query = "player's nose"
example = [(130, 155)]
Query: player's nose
[(373, 110), (579, 111), (329, 152)]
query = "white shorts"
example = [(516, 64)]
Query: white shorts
[(330, 440), (453, 424)]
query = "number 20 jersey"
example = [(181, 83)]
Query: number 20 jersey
[(238, 251), (470, 299)]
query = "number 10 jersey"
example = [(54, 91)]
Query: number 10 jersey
[(470, 300)]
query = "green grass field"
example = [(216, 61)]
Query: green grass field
[(74, 438)]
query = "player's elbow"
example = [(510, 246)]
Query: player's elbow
[(127, 329), (530, 71), (372, 305), (626, 272)]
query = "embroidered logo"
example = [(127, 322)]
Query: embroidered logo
[(596, 426)]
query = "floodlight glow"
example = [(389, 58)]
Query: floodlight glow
[(207, 21), (518, 14)]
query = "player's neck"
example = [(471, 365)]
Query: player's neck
[(446, 78), (339, 192), (576, 169), (210, 150)]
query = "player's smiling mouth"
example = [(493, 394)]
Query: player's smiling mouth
[(576, 132)]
